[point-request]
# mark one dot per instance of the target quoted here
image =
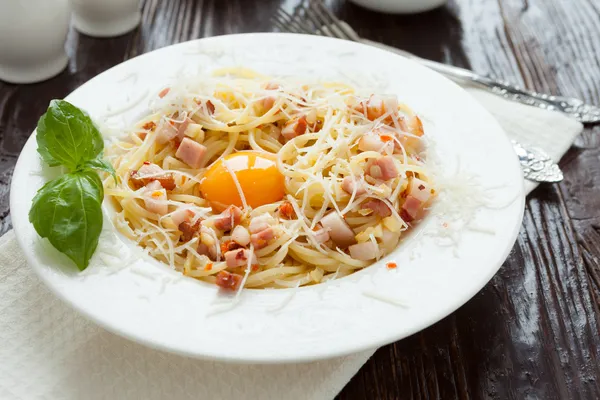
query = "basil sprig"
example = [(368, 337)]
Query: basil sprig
[(68, 209)]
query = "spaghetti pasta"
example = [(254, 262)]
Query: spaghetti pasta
[(321, 180)]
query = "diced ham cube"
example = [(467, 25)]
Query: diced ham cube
[(339, 231), (229, 281), (294, 127), (364, 251), (350, 183), (410, 209), (239, 258), (261, 239), (240, 235), (191, 152), (228, 218), (383, 168), (155, 200), (378, 206)]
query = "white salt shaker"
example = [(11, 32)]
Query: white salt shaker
[(105, 18), (32, 39)]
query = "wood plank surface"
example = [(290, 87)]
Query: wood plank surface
[(533, 331)]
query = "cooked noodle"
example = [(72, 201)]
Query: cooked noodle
[(239, 110)]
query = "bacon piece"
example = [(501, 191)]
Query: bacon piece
[(229, 281), (155, 200), (261, 239), (202, 249), (229, 245), (228, 218), (349, 184), (382, 168), (150, 173), (375, 107), (165, 133), (191, 152), (419, 189), (163, 92), (181, 128), (410, 209), (321, 234), (240, 235), (339, 231), (260, 223), (286, 210), (182, 215), (364, 251), (378, 206), (371, 142), (149, 125), (239, 258), (294, 128), (188, 230), (210, 107), (208, 238)]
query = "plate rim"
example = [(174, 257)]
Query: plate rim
[(430, 319)]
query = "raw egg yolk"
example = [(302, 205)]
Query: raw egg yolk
[(259, 179)]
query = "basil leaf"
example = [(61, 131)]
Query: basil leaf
[(67, 136), (68, 211), (102, 165)]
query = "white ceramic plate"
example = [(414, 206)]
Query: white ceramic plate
[(143, 300)]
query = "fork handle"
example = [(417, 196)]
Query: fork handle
[(572, 107)]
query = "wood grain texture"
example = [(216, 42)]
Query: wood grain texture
[(532, 332)]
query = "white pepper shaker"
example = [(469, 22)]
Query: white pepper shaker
[(105, 18), (32, 39)]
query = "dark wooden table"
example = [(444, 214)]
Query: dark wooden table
[(532, 332)]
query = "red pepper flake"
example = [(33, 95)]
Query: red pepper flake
[(208, 267), (141, 135), (391, 265), (146, 162), (149, 125), (240, 255), (229, 245), (286, 210), (163, 92), (211, 107), (421, 186), (255, 268), (386, 138)]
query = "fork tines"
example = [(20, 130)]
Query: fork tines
[(312, 17)]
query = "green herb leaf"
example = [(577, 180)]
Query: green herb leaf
[(67, 136), (102, 165), (68, 211)]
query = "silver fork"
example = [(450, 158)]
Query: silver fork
[(312, 17)]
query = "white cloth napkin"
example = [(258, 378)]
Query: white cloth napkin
[(48, 351)]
